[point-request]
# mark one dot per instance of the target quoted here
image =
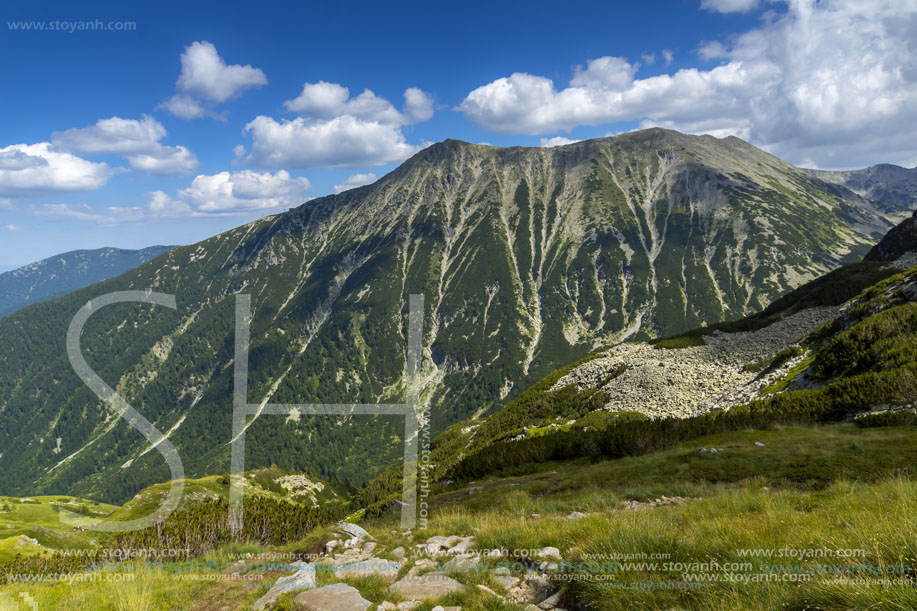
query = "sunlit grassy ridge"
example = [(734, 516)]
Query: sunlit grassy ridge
[(32, 525)]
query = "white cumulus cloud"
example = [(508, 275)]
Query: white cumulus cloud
[(345, 141), (28, 169), (165, 161), (244, 190), (137, 141), (224, 193), (206, 80), (729, 6), (557, 141), (113, 136), (834, 82), (337, 130), (185, 107), (357, 180), (418, 105), (324, 101)]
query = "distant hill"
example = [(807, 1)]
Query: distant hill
[(65, 273), (891, 186)]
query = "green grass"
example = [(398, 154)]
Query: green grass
[(675, 343), (846, 515), (821, 487), (38, 518), (830, 486), (800, 457), (781, 384)]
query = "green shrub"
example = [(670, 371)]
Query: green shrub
[(886, 418), (675, 343)]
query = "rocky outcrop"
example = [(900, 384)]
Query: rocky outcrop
[(438, 567), (888, 185), (898, 242)]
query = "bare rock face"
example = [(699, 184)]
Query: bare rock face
[(336, 597)]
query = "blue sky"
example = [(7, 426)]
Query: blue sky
[(181, 120)]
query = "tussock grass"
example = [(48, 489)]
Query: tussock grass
[(846, 515)]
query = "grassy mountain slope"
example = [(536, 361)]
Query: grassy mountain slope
[(849, 353), (33, 538), (67, 272), (836, 493), (528, 258), (798, 499)]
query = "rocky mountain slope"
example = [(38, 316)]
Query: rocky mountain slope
[(898, 244), (528, 258), (839, 347), (67, 272), (884, 183)]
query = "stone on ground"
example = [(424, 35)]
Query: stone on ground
[(302, 579), (336, 597), (429, 586), (370, 567), (353, 530)]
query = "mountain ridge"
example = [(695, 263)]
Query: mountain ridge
[(67, 272), (528, 258)]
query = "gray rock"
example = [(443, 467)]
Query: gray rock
[(487, 590), (302, 579), (575, 515), (505, 581), (462, 546), (442, 542), (550, 602), (548, 552), (353, 530), (336, 597), (370, 567), (426, 587), (423, 563)]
